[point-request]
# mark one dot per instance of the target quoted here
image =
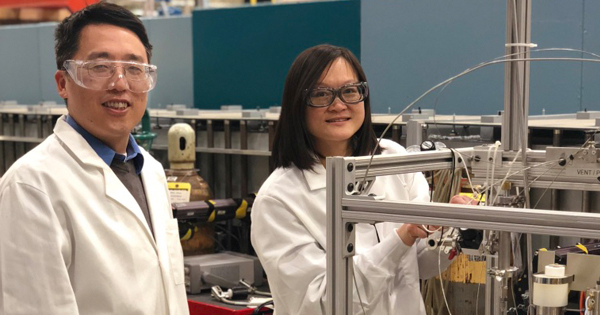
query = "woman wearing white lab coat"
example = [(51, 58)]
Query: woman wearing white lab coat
[(73, 240), (326, 112)]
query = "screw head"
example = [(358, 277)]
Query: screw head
[(350, 227), (350, 247), (477, 158), (350, 167), (350, 187)]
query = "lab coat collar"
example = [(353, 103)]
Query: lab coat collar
[(105, 152), (113, 187), (316, 178)]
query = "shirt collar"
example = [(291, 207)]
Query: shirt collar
[(316, 178), (106, 153)]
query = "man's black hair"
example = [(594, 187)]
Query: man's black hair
[(66, 36)]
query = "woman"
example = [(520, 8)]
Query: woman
[(326, 112)]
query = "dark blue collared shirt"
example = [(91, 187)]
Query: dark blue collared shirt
[(106, 153)]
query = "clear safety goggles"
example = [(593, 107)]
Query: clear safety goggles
[(101, 75), (353, 93)]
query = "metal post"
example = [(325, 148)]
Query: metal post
[(337, 266), (396, 133), (414, 133), (491, 262), (228, 172), (516, 74), (272, 125), (515, 130), (210, 143), (504, 259), (244, 158)]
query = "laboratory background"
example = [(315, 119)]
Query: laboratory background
[(496, 100)]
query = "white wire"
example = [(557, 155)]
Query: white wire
[(466, 170), (442, 281), (358, 293), (465, 72), (516, 172), (430, 231), (587, 307)]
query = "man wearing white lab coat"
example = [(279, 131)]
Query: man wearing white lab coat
[(85, 219)]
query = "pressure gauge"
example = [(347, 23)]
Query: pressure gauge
[(427, 145)]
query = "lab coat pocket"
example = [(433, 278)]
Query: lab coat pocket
[(175, 251)]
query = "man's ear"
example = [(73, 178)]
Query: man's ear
[(61, 83)]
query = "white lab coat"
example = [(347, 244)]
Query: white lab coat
[(289, 236), (73, 240)]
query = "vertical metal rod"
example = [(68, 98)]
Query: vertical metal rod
[(516, 109), (11, 144), (414, 133), (504, 263), (272, 125), (49, 125), (585, 207), (530, 266), (194, 125), (396, 133), (39, 126), (554, 240), (20, 146), (490, 281), (210, 143), (244, 158), (228, 171), (337, 266)]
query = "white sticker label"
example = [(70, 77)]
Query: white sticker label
[(179, 192), (586, 172)]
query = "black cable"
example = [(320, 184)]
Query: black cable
[(227, 231), (376, 233), (257, 310)]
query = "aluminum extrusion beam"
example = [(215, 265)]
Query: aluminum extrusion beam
[(339, 292), (402, 163), (547, 222)]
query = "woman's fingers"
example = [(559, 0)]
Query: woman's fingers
[(463, 200)]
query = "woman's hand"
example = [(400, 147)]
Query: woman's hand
[(409, 233), (463, 200)]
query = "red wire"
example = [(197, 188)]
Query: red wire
[(581, 299)]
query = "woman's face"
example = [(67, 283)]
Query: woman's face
[(333, 126)]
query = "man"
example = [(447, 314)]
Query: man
[(85, 220)]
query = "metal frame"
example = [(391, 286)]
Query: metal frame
[(344, 210)]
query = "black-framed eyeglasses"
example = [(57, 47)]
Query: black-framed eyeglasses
[(352, 93)]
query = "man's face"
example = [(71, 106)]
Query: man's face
[(111, 114)]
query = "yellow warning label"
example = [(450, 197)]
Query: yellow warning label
[(478, 198), (179, 192)]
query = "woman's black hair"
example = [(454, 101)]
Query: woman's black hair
[(293, 144)]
